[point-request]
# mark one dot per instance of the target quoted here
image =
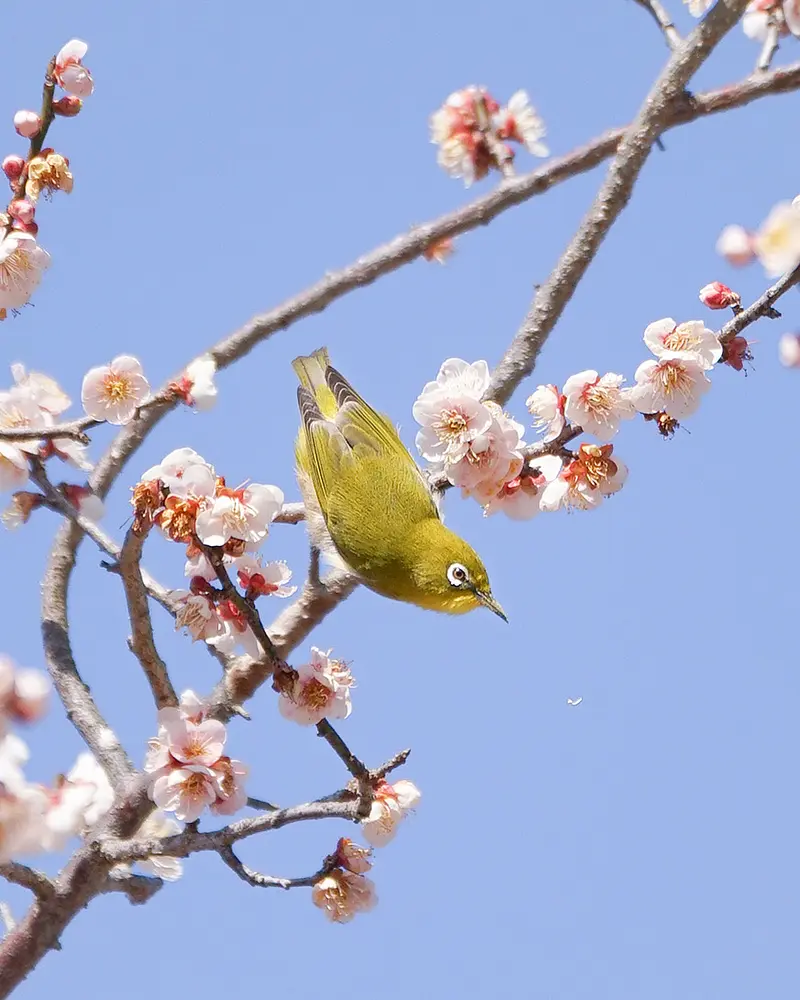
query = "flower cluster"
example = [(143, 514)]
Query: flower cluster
[(473, 132), (344, 890), (43, 171), (34, 402), (320, 690), (479, 448), (186, 766), (192, 505)]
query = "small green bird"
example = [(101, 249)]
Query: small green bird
[(368, 503)]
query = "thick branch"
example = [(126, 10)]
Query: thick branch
[(142, 643), (761, 307), (138, 888), (614, 194)]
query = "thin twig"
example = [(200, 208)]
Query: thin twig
[(356, 767), (29, 878), (391, 765), (142, 643), (770, 46), (291, 513), (259, 881), (760, 308), (260, 804), (663, 20), (74, 429)]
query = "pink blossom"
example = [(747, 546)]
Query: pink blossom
[(197, 614), (322, 690), (21, 209), (185, 791), (735, 244), (597, 404), (391, 805), (18, 410), (13, 166), (24, 693), (260, 579), (27, 123), (342, 894), (674, 384), (114, 392), (520, 498), (718, 296), (22, 262), (42, 389), (229, 778), (583, 483), (13, 467), (493, 458), (71, 75), (196, 386), (520, 122), (666, 337), (352, 856)]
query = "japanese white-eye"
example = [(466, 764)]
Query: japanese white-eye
[(368, 503)]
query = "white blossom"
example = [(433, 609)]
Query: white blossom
[(115, 391), (665, 336), (546, 406), (597, 404), (321, 690), (674, 384), (22, 262)]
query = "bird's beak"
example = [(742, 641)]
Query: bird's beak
[(489, 602)]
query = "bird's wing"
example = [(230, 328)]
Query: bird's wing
[(321, 447), (366, 429)]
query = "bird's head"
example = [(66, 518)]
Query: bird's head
[(450, 576)]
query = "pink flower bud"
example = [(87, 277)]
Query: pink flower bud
[(719, 296), (21, 210), (67, 106), (13, 166), (27, 124), (26, 227)]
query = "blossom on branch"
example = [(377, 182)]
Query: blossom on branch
[(391, 805), (520, 498), (546, 406), (196, 386), (158, 824), (320, 691), (718, 296), (343, 894), (674, 384), (777, 243), (22, 262), (352, 856), (665, 336), (27, 124), (114, 392), (597, 404), (71, 75), (48, 172), (450, 410), (583, 483)]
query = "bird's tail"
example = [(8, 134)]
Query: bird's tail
[(311, 372)]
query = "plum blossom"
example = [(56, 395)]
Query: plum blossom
[(244, 513), (321, 691), (735, 352), (583, 483), (187, 768), (236, 632), (715, 295), (71, 75), (79, 801), (520, 122), (493, 458), (173, 468), (457, 129), (597, 403), (260, 579), (735, 244), (761, 14), (22, 805), (115, 391), (789, 350), (674, 384), (391, 805), (48, 172), (450, 411), (666, 337), (343, 894), (13, 467), (27, 124), (42, 389), (22, 262), (520, 498), (85, 501), (777, 243), (159, 825), (197, 614), (352, 856), (546, 406), (196, 386), (24, 693)]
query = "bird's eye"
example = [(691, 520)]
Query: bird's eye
[(457, 574)]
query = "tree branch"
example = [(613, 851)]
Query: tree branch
[(614, 194), (260, 881), (663, 20), (142, 643), (29, 878), (760, 308), (138, 888)]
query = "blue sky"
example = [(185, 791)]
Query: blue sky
[(642, 844)]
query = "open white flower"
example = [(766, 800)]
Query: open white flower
[(546, 406), (19, 411), (263, 579), (186, 791), (22, 262), (159, 825), (451, 418), (520, 121), (665, 336), (115, 391), (342, 894), (777, 243), (597, 404), (42, 389), (201, 390), (322, 690), (493, 458), (391, 805), (583, 483), (520, 498), (244, 514), (197, 614), (674, 384)]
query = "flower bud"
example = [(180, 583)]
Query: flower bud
[(735, 352), (21, 210), (718, 296), (67, 106), (13, 166), (27, 123)]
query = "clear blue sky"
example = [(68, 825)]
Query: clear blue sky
[(641, 845)]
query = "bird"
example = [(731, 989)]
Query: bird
[(369, 507)]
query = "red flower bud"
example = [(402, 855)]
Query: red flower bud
[(13, 166), (719, 296), (67, 106)]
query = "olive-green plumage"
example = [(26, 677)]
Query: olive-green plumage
[(368, 503)]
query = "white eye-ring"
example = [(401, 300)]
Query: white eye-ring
[(457, 574)]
